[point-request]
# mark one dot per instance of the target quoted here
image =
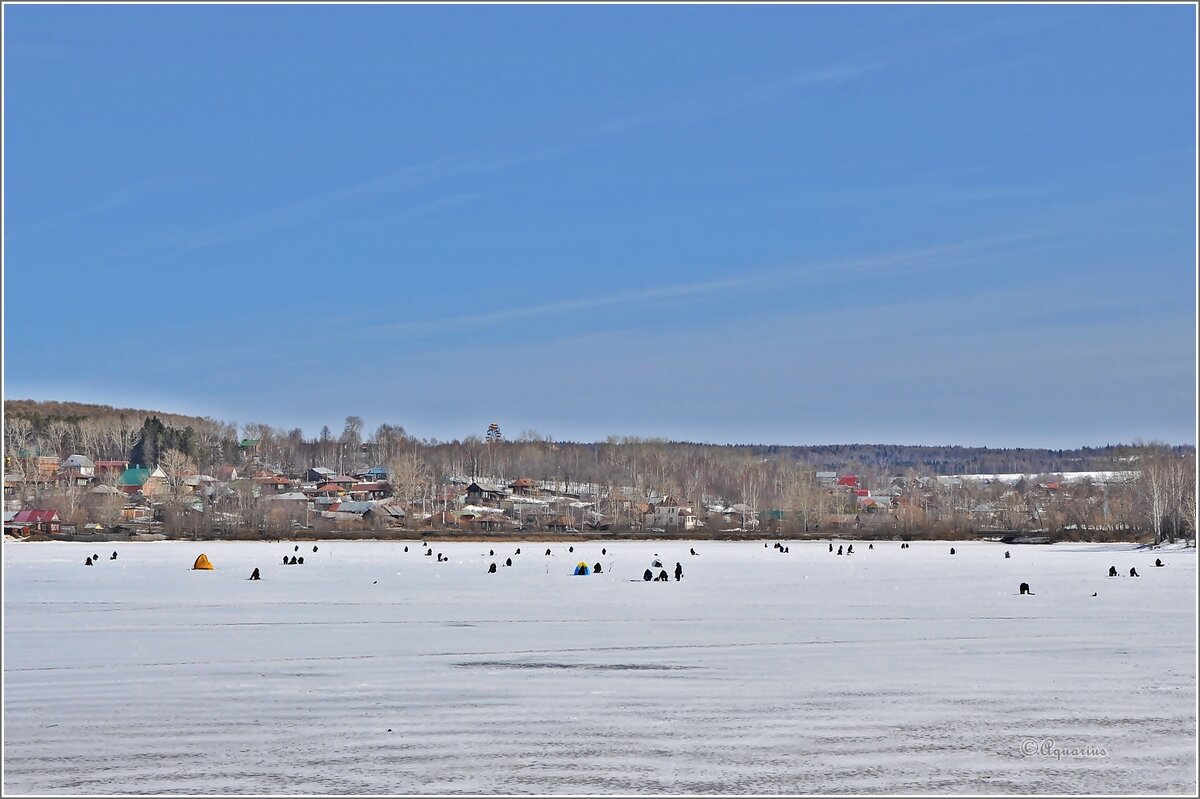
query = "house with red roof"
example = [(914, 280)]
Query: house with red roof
[(37, 520)]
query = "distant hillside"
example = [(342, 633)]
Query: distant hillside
[(40, 412), (574, 457)]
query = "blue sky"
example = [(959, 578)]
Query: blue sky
[(790, 224)]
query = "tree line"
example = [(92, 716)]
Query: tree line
[(783, 480)]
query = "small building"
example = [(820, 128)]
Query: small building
[(274, 484), (132, 479), (37, 520), (226, 473), (104, 468), (80, 465), (319, 475), (374, 474), (366, 491), (479, 495), (670, 513), (524, 486)]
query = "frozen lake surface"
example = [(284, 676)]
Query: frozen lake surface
[(369, 670)]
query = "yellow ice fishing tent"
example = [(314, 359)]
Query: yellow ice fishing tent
[(582, 568), (202, 562)]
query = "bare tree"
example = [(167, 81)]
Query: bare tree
[(1155, 487), (409, 477), (178, 467)]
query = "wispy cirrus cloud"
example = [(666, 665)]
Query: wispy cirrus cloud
[(497, 157), (894, 264)]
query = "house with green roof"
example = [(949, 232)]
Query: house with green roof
[(139, 478)]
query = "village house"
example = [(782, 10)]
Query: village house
[(319, 475), (524, 487), (366, 491), (81, 464), (37, 520), (482, 495), (225, 473), (670, 514), (274, 484), (109, 468)]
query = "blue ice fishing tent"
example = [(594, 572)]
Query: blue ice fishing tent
[(582, 569)]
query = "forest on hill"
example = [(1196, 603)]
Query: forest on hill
[(105, 431)]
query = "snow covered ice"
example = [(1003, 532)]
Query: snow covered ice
[(369, 670)]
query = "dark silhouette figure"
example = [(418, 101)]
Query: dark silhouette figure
[(657, 563), (406, 549), (301, 561), (428, 552), (114, 556), (663, 577), (840, 551), (254, 575), (547, 552), (297, 548), (1025, 589), (292, 562), (518, 552), (831, 546), (95, 558), (787, 550), (492, 569), (508, 561), (603, 551), (285, 560), (314, 549), (850, 549), (1008, 554), (87, 562), (1157, 562), (678, 571), (596, 569), (1112, 571), (951, 550), (870, 546), (1133, 573), (570, 549), (1095, 594), (693, 551), (491, 553), (646, 575)]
